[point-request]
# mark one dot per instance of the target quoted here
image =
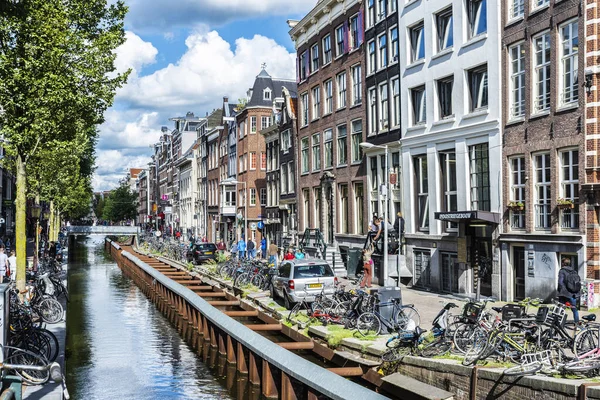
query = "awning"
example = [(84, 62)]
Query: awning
[(469, 216)]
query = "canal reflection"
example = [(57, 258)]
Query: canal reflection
[(120, 346)]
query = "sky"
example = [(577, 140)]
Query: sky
[(186, 55)]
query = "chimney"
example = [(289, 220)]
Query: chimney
[(164, 129), (225, 99), (189, 114)]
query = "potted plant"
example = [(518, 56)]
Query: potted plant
[(516, 205), (564, 203)]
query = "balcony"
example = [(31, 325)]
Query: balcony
[(228, 210)]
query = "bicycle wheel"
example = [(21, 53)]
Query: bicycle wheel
[(257, 280), (25, 358), (242, 280), (585, 365), (52, 343), (292, 315), (50, 310), (408, 318), (396, 353), (441, 345), (586, 341), (523, 369), (462, 337), (368, 324), (477, 347)]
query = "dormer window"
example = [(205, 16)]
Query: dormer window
[(267, 94)]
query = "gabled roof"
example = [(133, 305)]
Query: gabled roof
[(264, 81), (134, 172)]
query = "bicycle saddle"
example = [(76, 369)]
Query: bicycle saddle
[(419, 331), (589, 318), (497, 309)]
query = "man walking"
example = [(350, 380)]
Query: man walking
[(251, 249), (569, 286), (242, 248), (273, 253), (263, 247)]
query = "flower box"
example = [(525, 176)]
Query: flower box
[(516, 206), (565, 206)]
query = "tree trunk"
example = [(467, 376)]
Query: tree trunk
[(20, 221)]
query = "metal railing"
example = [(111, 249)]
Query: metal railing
[(318, 240)]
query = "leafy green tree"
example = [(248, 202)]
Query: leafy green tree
[(57, 78), (121, 205)]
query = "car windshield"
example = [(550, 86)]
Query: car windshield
[(206, 247), (312, 271)]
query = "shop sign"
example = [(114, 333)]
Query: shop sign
[(455, 216)]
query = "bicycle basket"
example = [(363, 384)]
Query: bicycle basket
[(511, 311), (540, 317), (472, 311), (556, 315)]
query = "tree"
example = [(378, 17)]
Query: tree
[(121, 205), (57, 78)]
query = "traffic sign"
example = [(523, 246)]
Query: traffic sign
[(260, 225), (240, 216), (253, 226)]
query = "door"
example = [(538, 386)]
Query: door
[(449, 273), (481, 254), (421, 268), (519, 272)]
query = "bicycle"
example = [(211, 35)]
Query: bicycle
[(404, 317)]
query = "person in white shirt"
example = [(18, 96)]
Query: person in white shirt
[(12, 262), (3, 263)]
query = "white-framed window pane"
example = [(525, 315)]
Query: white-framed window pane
[(417, 42), (543, 215), (316, 102), (517, 80), (396, 102), (327, 49), (371, 59), (316, 152), (372, 110), (444, 87), (394, 44), (422, 192), (356, 85), (540, 3), (382, 46), (480, 177), (314, 51), (304, 116), (569, 186), (370, 13), (328, 148), (478, 88), (444, 22), (356, 140), (541, 84), (517, 8), (449, 186), (328, 87), (477, 17), (305, 150), (383, 107), (341, 87), (342, 145), (517, 191), (569, 54), (418, 105)]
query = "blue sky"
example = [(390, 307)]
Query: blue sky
[(185, 55)]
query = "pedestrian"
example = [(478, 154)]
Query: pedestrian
[(242, 248), (273, 254), (12, 263), (299, 254), (289, 255), (251, 249), (3, 263), (234, 250), (569, 286), (367, 267), (399, 228), (263, 247)]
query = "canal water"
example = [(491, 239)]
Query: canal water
[(119, 346)]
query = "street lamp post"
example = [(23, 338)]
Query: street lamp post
[(386, 224)]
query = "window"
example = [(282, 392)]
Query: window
[(356, 140), (516, 10), (317, 213), (359, 203), (540, 3), (372, 110), (444, 88), (316, 102), (569, 186), (422, 268), (252, 124), (316, 152), (394, 48), (242, 198), (382, 9), (340, 42), (242, 128), (252, 196), (291, 180), (383, 52), (326, 49), (541, 61), (303, 65), (267, 94), (263, 197), (304, 155), (344, 208), (517, 191), (283, 178), (480, 177), (371, 64), (253, 160), (395, 102), (342, 145), (419, 106), (383, 106), (417, 43), (285, 141), (304, 110), (543, 217), (450, 202), (422, 192), (393, 6), (478, 88), (263, 161), (477, 17), (265, 122), (373, 175), (445, 35), (517, 81), (328, 147), (341, 85), (569, 48), (356, 34), (328, 87), (314, 56), (306, 209), (396, 170), (370, 13), (356, 85)]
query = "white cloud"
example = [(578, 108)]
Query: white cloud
[(112, 165), (134, 54), (167, 14), (209, 70)]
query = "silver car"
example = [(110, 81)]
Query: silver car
[(302, 279)]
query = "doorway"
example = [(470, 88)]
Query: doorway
[(519, 272), (481, 256), (450, 273)]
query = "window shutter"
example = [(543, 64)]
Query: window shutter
[(346, 37)]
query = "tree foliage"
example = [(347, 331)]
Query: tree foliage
[(120, 205)]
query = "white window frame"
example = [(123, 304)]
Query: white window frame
[(396, 101), (263, 197), (444, 33), (478, 93), (517, 80), (569, 187), (568, 66), (327, 50), (314, 58), (383, 106), (305, 154), (316, 151), (316, 102), (543, 189), (382, 50), (356, 127), (372, 110), (440, 93), (418, 99), (253, 124), (516, 9), (253, 197), (342, 144), (538, 4), (474, 15), (371, 57), (342, 90), (542, 73), (339, 41), (518, 172), (370, 17), (328, 94), (394, 44), (304, 109), (353, 34), (356, 76), (416, 40), (421, 192), (327, 148)]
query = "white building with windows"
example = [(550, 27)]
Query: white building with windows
[(451, 108)]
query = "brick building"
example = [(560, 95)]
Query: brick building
[(329, 43), (543, 146)]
